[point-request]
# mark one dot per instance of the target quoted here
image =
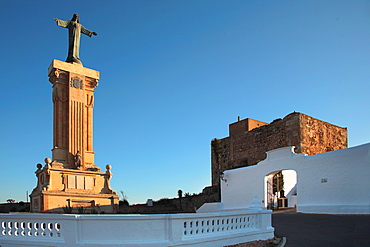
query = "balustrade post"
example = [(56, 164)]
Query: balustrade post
[(69, 229), (176, 229), (265, 219)]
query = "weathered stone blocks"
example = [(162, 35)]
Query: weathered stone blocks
[(247, 146)]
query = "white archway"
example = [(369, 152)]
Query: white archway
[(280, 184)]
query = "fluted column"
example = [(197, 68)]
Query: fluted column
[(73, 98)]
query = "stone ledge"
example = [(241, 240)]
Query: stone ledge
[(74, 68)]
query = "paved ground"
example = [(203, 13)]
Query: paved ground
[(322, 230)]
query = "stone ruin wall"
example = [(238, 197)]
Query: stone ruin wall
[(320, 137), (307, 134), (189, 204)]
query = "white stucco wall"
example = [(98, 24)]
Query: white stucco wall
[(346, 172)]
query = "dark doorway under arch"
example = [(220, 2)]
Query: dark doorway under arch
[(280, 189)]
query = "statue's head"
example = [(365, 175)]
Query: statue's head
[(76, 18)]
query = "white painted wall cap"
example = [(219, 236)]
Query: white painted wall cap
[(280, 153)]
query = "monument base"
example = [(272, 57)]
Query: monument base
[(56, 202), (62, 190)]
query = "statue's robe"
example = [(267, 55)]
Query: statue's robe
[(74, 30)]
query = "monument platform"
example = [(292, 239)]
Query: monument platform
[(59, 190)]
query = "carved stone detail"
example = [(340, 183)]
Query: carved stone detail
[(76, 82), (60, 94), (58, 76), (89, 101), (92, 83)]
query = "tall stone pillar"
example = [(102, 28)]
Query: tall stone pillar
[(73, 98), (71, 181)]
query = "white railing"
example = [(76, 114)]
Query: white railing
[(31, 229), (218, 224), (198, 229)]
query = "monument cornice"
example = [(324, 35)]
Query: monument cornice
[(76, 194), (77, 172), (73, 68)]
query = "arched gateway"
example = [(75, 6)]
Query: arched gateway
[(280, 189), (333, 182)]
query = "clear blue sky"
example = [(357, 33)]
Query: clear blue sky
[(174, 74)]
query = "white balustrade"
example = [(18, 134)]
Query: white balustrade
[(31, 228), (198, 229), (218, 224)]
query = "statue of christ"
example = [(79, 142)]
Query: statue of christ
[(74, 30)]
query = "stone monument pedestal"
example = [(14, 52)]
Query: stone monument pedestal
[(71, 180), (62, 190)]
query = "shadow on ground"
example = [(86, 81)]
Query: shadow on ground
[(321, 230)]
